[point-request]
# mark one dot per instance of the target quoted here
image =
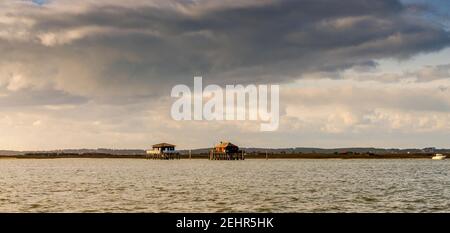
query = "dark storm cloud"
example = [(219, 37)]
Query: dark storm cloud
[(272, 42), (286, 38)]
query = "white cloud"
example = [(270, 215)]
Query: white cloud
[(37, 123), (17, 82)]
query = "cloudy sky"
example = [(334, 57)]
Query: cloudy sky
[(98, 73)]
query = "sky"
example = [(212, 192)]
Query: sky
[(98, 73)]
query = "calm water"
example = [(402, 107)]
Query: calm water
[(133, 185)]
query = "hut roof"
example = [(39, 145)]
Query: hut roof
[(159, 145), (225, 144)]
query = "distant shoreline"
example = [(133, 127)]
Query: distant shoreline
[(248, 156)]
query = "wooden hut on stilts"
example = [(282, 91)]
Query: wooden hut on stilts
[(226, 151), (163, 151)]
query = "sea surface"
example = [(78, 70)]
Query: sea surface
[(299, 185)]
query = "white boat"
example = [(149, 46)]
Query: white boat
[(439, 157)]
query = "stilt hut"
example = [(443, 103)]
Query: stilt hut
[(226, 151), (163, 151)]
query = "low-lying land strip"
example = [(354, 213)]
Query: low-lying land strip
[(247, 156)]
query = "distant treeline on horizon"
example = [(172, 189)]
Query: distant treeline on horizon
[(297, 150)]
